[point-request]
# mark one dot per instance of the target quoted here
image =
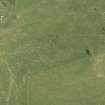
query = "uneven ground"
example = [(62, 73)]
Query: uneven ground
[(43, 58)]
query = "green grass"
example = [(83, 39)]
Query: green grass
[(43, 59)]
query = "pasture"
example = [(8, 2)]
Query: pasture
[(52, 52)]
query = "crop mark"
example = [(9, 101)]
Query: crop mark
[(2, 20), (12, 82)]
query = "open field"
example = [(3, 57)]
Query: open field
[(53, 53)]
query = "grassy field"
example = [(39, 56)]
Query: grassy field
[(53, 53)]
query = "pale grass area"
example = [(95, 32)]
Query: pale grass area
[(99, 65)]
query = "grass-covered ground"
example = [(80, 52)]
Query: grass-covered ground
[(53, 53)]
